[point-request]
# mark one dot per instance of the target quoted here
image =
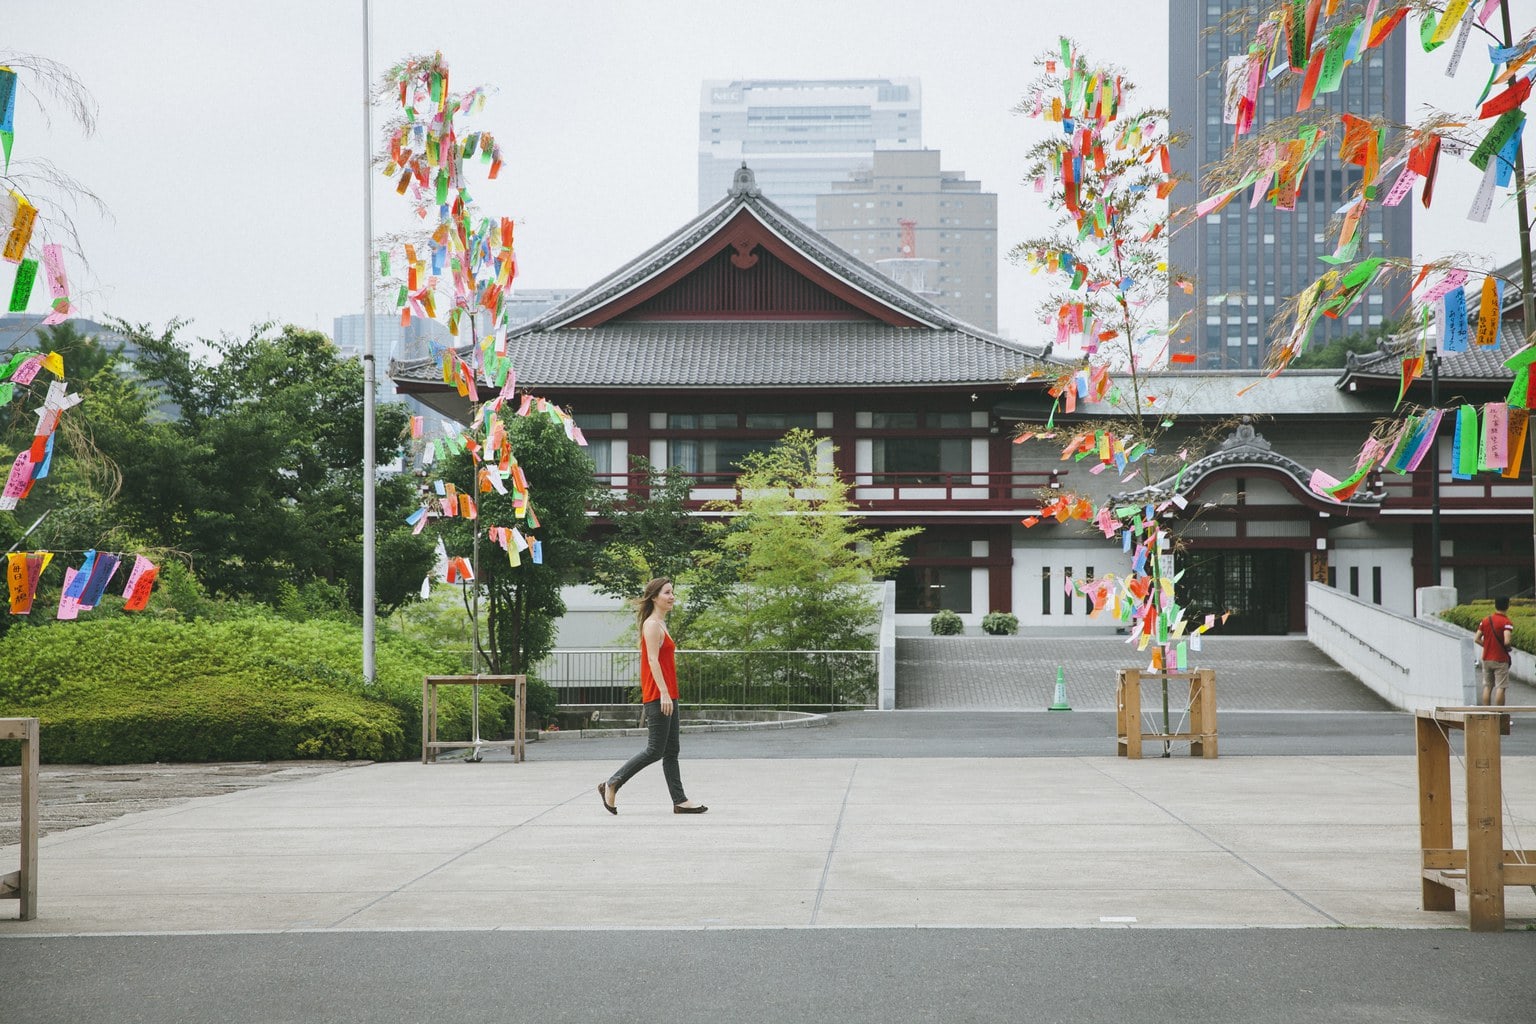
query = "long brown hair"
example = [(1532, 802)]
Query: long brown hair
[(647, 602)]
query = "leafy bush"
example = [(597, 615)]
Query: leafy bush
[(1522, 612), (127, 690), (543, 701), (1000, 623), (946, 623)]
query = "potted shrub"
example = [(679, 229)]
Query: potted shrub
[(1000, 623), (946, 623)]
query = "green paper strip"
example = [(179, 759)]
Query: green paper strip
[(1363, 272), (1505, 128), (1397, 459), (7, 392), (1524, 357), (383, 264), (1466, 430), (1333, 60), (1519, 391), (1427, 33), (1482, 453), (1352, 480), (1298, 35), (21, 290)]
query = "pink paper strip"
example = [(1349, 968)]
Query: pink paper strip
[(1496, 435), (1431, 435), (1401, 187), (16, 483), (69, 607)]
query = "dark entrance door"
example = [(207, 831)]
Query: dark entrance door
[(1254, 585)]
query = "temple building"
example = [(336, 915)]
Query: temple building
[(744, 323)]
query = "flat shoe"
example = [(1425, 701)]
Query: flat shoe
[(680, 809), (602, 794)]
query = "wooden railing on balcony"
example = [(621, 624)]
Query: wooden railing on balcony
[(1483, 492), (983, 491)]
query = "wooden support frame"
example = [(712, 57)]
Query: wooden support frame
[(1201, 710), (430, 744), (22, 884), (1484, 867)]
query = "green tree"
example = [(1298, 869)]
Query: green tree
[(259, 480), (522, 603), (652, 533), (84, 354), (1336, 352), (791, 570)]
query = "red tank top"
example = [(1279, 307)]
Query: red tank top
[(648, 688)]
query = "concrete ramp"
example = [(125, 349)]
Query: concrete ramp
[(1018, 673)]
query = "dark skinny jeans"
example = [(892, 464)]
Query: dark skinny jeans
[(661, 744)]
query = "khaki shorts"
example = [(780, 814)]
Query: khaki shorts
[(1493, 674)]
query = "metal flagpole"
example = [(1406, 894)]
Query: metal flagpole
[(1527, 296), (370, 371)]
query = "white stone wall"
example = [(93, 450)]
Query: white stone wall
[(1412, 663)]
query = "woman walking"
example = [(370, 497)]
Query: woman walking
[(658, 694)]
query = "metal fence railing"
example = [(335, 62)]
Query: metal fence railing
[(805, 680)]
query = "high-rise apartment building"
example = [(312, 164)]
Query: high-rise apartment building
[(1246, 262), (800, 136), (932, 230)]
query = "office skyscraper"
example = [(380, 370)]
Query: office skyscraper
[(931, 230), (1247, 262), (801, 136)]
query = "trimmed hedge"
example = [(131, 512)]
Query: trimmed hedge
[(126, 690), (1521, 612)]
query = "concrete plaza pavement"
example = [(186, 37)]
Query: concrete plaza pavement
[(887, 867), (1049, 842)]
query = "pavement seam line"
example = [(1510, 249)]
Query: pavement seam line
[(826, 868), (1222, 847), (458, 856)]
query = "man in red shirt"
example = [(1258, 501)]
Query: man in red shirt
[(1493, 637)]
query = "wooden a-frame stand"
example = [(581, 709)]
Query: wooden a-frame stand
[(1484, 867), (1201, 709)]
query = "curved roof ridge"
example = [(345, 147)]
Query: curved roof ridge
[(1476, 363), (1245, 447)]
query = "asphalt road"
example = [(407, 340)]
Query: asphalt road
[(747, 977)]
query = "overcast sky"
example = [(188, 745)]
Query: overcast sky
[(230, 142)]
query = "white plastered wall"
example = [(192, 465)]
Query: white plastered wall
[(1367, 548), (1036, 553)]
